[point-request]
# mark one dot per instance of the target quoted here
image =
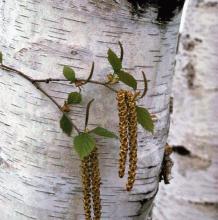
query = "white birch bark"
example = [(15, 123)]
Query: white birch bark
[(39, 173), (193, 192)]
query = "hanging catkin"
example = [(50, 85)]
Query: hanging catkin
[(132, 135), (123, 125), (96, 181), (86, 182), (128, 134), (91, 181)]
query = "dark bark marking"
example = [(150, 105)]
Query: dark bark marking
[(27, 216), (181, 150), (189, 44), (71, 19), (165, 10), (190, 75), (5, 124)]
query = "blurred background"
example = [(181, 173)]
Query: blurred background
[(193, 191)]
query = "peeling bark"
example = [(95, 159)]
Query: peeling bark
[(39, 175)]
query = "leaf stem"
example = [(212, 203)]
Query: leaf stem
[(121, 51), (145, 85), (103, 84), (87, 113), (91, 73)]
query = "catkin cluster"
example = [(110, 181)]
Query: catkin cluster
[(91, 181), (128, 134)]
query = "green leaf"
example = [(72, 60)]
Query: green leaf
[(69, 74), (84, 144), (144, 118), (114, 60), (74, 98), (66, 124), (1, 57), (128, 79), (104, 132)]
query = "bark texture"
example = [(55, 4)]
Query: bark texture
[(39, 173), (193, 192)]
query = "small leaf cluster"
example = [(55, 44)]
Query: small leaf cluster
[(116, 64), (73, 98), (143, 116), (84, 142)]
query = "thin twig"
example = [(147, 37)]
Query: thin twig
[(145, 85), (18, 72), (121, 51), (50, 80), (91, 74), (79, 80), (87, 113), (37, 86), (103, 84)]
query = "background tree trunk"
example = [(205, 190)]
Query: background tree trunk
[(39, 175), (193, 191)]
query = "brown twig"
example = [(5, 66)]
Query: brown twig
[(121, 51), (36, 84), (87, 113), (145, 85), (78, 80), (103, 84), (50, 80), (91, 74)]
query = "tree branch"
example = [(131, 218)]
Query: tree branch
[(83, 82), (36, 84)]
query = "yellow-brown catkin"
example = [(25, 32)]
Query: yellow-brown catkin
[(96, 182), (86, 183), (123, 126), (132, 135)]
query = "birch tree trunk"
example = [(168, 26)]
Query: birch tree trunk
[(39, 173), (193, 192)]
